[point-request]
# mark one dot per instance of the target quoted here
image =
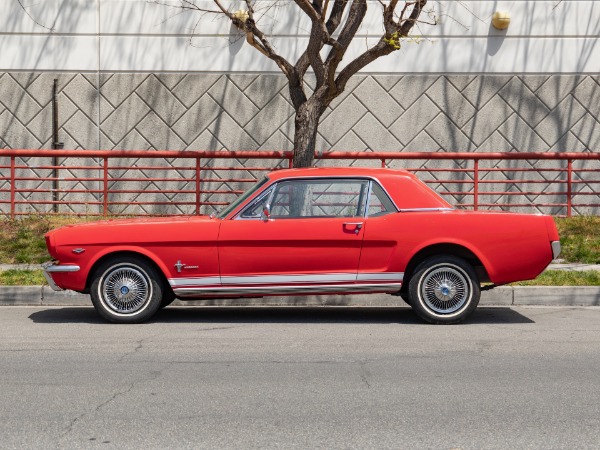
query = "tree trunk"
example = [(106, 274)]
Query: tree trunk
[(305, 136)]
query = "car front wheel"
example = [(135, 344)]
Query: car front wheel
[(444, 289), (126, 290)]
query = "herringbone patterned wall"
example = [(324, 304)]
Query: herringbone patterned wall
[(547, 113)]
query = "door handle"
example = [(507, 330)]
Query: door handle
[(357, 226)]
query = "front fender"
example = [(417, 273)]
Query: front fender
[(77, 281)]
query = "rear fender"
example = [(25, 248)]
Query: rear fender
[(489, 268)]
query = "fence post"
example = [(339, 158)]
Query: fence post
[(569, 186), (383, 163), (197, 186), (476, 184), (12, 187), (105, 188)]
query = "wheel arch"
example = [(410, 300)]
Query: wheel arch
[(445, 248), (126, 252)]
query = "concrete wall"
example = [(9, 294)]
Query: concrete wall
[(135, 35)]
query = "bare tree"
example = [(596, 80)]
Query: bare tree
[(334, 25)]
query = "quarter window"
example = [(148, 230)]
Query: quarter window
[(254, 211), (379, 203)]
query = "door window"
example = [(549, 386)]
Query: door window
[(312, 198), (319, 198)]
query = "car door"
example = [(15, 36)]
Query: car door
[(382, 236), (309, 241)]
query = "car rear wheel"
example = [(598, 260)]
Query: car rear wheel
[(127, 289), (444, 289)]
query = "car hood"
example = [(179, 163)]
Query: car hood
[(140, 230)]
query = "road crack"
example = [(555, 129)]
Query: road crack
[(139, 346), (364, 373), (153, 375)]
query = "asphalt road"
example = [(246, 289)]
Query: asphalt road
[(300, 378)]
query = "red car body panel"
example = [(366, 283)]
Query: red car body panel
[(224, 257), (288, 246)]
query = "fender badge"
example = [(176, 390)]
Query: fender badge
[(179, 265), (78, 251)]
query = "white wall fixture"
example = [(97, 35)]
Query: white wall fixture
[(501, 20)]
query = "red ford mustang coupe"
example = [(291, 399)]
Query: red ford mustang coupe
[(306, 231)]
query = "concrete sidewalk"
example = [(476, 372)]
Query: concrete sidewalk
[(501, 296), (573, 267)]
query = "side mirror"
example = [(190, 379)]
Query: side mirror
[(266, 212)]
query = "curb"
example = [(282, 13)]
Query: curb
[(501, 296)]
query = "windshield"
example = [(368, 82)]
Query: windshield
[(225, 211)]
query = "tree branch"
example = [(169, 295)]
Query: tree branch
[(335, 18), (357, 13), (33, 18), (252, 31), (407, 25), (387, 44), (382, 48)]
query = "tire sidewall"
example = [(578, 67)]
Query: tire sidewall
[(415, 289), (152, 303)]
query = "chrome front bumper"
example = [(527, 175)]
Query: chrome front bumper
[(555, 249), (52, 266)]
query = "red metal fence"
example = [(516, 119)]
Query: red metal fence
[(34, 181)]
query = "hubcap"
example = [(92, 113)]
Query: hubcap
[(125, 290), (445, 290)]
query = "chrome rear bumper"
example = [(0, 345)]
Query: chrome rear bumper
[(52, 266), (555, 249)]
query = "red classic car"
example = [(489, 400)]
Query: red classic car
[(306, 231)]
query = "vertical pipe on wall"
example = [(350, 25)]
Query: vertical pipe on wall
[(98, 81), (476, 184), (105, 187), (569, 186), (56, 146), (12, 187), (197, 186)]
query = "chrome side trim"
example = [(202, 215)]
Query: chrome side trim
[(387, 276), (555, 249), (285, 290), (51, 266), (425, 209), (286, 279), (197, 281), (283, 279)]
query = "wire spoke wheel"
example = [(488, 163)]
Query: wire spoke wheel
[(445, 290), (128, 289), (125, 290)]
